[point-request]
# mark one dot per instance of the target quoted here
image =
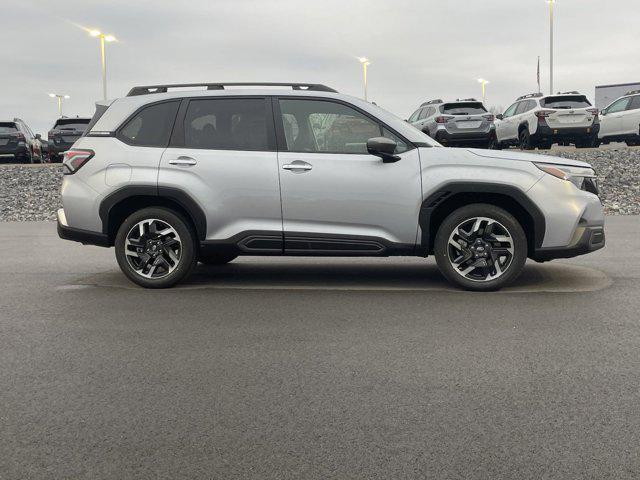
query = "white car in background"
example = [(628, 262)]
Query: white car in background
[(621, 120), (536, 120)]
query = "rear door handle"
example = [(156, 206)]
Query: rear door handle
[(183, 161), (297, 165)]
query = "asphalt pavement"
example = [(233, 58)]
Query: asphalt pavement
[(294, 368)]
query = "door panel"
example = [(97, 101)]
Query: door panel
[(226, 165), (352, 194)]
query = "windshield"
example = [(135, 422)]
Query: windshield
[(565, 101), (471, 108), (8, 127), (71, 124)]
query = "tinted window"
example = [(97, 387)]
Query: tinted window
[(226, 124), (635, 103), (328, 127), (71, 124), (8, 127), (469, 108), (510, 111), (618, 105), (522, 107), (424, 113), (151, 127), (566, 101), (414, 116)]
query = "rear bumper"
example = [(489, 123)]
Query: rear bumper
[(568, 133), (19, 149), (452, 138), (77, 235), (586, 240)]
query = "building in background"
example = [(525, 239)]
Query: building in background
[(605, 94)]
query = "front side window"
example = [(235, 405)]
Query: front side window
[(328, 127), (151, 126), (618, 105), (414, 116), (226, 124), (510, 111)]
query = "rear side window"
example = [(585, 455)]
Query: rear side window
[(469, 108), (566, 101), (424, 113), (8, 127), (151, 126), (226, 124)]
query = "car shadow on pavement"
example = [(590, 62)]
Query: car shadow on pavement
[(295, 274)]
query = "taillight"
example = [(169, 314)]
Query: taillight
[(75, 159), (489, 117), (443, 119), (593, 111), (543, 114)]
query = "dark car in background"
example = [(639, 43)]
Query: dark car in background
[(63, 134), (18, 143)]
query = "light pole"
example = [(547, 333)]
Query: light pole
[(484, 83), (551, 2), (60, 98), (365, 63), (103, 58)]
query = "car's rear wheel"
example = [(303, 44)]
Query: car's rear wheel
[(480, 247), (156, 247), (210, 258), (493, 143), (524, 139)]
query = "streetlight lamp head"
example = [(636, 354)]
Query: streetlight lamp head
[(67, 96), (364, 60), (109, 38), (95, 33), (52, 95)]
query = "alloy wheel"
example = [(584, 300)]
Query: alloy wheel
[(153, 248), (480, 249)]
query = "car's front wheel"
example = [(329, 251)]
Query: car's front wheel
[(480, 247), (156, 247), (524, 140)]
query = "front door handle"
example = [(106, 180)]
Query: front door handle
[(297, 166), (183, 161)]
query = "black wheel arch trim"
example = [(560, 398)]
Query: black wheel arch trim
[(449, 190), (180, 197)]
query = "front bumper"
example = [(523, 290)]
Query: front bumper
[(77, 235), (586, 240)]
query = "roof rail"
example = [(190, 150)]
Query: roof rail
[(633, 92), (466, 100), (573, 92), (530, 95), (149, 89), (432, 102)]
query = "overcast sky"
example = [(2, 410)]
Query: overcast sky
[(419, 49)]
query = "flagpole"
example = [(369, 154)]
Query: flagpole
[(539, 90)]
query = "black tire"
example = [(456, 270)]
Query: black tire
[(632, 142), (505, 221), (187, 256), (216, 258), (493, 143), (524, 140), (545, 146)]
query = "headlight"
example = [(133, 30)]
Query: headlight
[(576, 175)]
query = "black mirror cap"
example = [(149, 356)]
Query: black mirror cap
[(500, 116), (384, 148)]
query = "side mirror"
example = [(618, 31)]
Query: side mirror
[(500, 116), (384, 148), (603, 112)]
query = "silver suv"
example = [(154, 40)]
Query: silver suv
[(173, 177), (464, 122)]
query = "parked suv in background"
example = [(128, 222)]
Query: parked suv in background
[(17, 142), (171, 178), (63, 134), (461, 123), (621, 120), (537, 120)]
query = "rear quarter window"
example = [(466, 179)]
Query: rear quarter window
[(151, 126)]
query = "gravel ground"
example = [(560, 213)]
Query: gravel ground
[(31, 193)]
